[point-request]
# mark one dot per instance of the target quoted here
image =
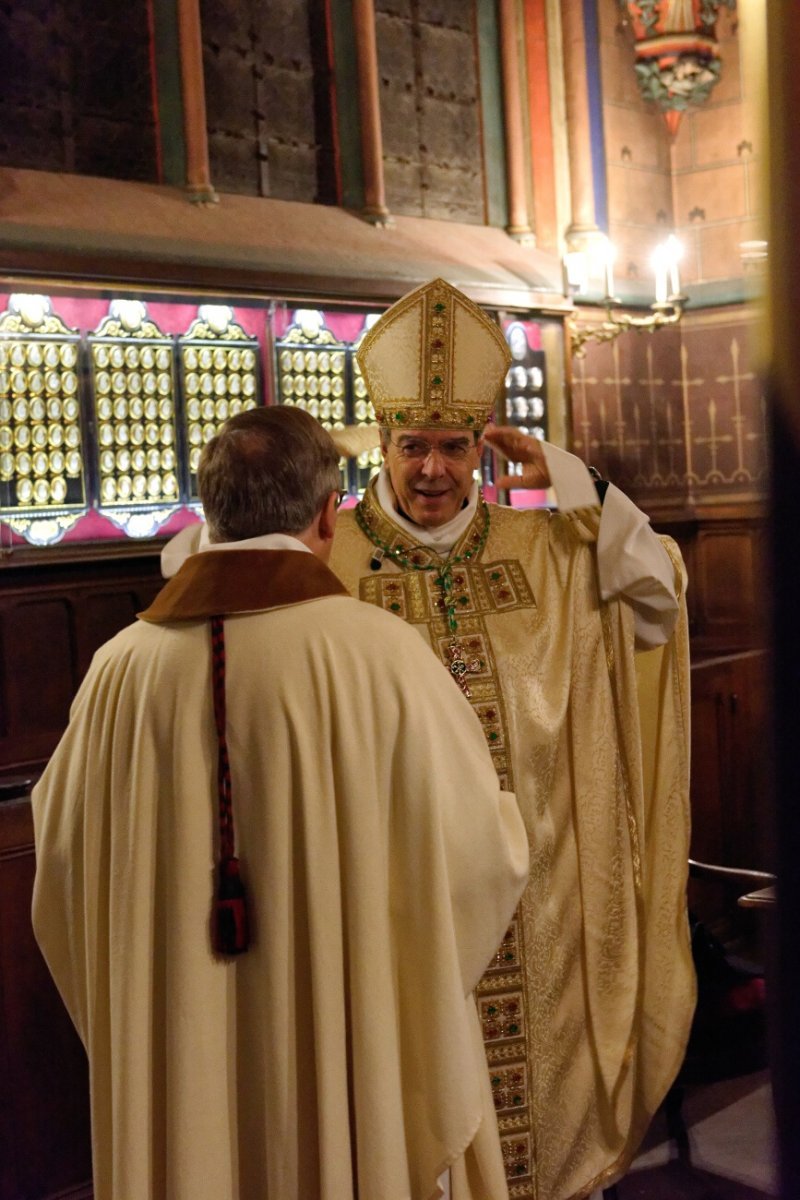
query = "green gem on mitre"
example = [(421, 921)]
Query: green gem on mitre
[(399, 416), (436, 381), (439, 307)]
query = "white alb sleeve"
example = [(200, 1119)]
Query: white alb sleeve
[(631, 561)]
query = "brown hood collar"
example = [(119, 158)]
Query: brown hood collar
[(238, 581)]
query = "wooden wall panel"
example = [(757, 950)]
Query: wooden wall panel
[(53, 616), (724, 552), (45, 1149), (728, 787), (676, 419), (726, 559), (39, 672), (54, 613)]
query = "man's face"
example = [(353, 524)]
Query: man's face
[(431, 471)]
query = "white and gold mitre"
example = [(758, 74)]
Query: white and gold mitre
[(434, 359)]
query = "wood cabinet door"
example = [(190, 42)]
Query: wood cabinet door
[(45, 1148), (730, 760)]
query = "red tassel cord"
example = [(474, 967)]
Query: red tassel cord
[(229, 924), (231, 910)]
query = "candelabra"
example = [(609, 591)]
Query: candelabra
[(667, 309)]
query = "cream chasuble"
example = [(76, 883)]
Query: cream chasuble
[(586, 1007), (340, 1057)]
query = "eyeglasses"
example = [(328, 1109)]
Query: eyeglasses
[(341, 497), (418, 450)]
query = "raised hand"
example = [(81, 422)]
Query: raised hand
[(519, 448)]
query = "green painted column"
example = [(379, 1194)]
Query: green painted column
[(168, 92), (348, 124), (494, 155)]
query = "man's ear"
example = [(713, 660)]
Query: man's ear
[(327, 517)]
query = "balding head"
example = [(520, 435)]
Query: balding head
[(268, 470)]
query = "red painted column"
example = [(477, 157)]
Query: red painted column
[(375, 209), (198, 171), (545, 212)]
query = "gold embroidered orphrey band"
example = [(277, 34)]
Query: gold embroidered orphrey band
[(479, 589)]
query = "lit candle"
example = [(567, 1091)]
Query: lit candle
[(659, 261), (673, 254), (609, 265), (575, 265)]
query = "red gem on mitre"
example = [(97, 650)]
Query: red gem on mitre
[(436, 416), (437, 344)]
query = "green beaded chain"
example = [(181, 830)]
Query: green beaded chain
[(444, 580)]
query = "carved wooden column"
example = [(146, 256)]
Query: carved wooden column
[(583, 227), (375, 209), (519, 226), (198, 171)]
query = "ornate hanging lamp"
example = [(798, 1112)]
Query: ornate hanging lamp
[(677, 55)]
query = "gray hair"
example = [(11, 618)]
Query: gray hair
[(268, 470)]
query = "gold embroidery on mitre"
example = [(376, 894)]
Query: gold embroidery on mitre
[(434, 359)]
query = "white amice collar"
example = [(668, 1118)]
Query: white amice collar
[(440, 539), (266, 541), (193, 539)]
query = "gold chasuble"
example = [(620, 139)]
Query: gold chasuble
[(586, 1006)]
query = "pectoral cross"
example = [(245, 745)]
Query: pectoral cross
[(460, 667)]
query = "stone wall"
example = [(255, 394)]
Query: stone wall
[(266, 76), (76, 88), (638, 168), (702, 184), (430, 108)]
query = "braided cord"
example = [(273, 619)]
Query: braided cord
[(226, 836)]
